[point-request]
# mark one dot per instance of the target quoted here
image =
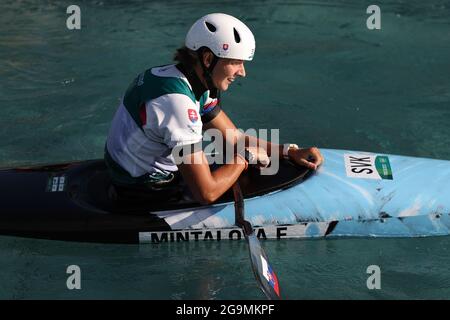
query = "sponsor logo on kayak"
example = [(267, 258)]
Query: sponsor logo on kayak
[(368, 166), (56, 184)]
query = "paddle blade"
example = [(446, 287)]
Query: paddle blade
[(264, 273)]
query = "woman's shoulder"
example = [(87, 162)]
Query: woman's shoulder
[(165, 80)]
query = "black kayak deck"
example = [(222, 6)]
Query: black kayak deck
[(76, 201)]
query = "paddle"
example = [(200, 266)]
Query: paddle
[(264, 274)]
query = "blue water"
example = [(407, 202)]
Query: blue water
[(319, 75)]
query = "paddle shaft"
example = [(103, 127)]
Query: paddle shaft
[(240, 210), (265, 276)]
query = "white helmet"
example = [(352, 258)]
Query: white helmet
[(224, 35)]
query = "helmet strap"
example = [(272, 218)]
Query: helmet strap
[(207, 71)]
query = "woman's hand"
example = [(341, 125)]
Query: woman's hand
[(307, 157), (258, 156)]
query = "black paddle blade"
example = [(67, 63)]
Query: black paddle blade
[(265, 275)]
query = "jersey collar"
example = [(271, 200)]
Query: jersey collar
[(197, 86)]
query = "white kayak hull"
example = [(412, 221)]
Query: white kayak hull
[(347, 196)]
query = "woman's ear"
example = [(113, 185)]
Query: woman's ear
[(207, 58)]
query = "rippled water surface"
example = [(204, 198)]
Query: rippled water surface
[(319, 75)]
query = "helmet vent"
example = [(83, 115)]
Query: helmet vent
[(237, 38), (210, 27)]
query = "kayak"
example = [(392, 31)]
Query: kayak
[(353, 194)]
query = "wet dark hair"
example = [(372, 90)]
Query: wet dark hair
[(187, 57)]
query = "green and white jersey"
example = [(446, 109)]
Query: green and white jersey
[(159, 111)]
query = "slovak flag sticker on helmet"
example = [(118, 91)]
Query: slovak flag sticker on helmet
[(193, 116), (225, 46), (270, 275)]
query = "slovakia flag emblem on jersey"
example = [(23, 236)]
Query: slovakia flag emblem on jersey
[(193, 116), (270, 275)]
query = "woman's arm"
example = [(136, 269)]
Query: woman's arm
[(309, 157), (207, 186)]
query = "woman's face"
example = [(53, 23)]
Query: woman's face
[(226, 71)]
